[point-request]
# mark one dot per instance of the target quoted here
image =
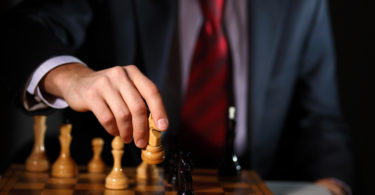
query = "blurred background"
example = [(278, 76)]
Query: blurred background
[(353, 28)]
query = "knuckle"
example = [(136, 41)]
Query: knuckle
[(117, 71), (124, 115), (107, 120), (103, 81), (92, 92), (131, 68), (153, 90), (139, 108)]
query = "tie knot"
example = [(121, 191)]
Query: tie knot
[(212, 10)]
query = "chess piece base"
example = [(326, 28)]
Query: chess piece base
[(64, 168), (37, 162), (116, 181), (153, 154)]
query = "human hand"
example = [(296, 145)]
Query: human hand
[(115, 96), (331, 185)]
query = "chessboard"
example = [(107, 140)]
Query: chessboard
[(16, 180)]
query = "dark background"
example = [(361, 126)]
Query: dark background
[(353, 23)]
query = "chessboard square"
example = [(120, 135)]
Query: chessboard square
[(29, 186), (170, 193), (235, 185), (205, 184), (149, 193), (234, 179), (212, 172), (214, 189), (56, 180), (239, 190), (150, 182), (81, 186), (59, 186), (91, 192), (34, 177), (149, 188), (93, 180), (57, 192), (24, 191), (202, 178), (94, 176)]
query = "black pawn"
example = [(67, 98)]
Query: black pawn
[(185, 183), (172, 169), (229, 165)]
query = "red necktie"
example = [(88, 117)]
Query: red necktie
[(206, 99)]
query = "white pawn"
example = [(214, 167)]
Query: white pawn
[(65, 165), (38, 161), (96, 164), (116, 179)]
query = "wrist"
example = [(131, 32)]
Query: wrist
[(60, 79)]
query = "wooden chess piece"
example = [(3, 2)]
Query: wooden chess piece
[(38, 161), (117, 179), (65, 165), (153, 153), (96, 164), (147, 171), (229, 165)]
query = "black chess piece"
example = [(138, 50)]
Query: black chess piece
[(185, 184), (229, 165), (171, 168)]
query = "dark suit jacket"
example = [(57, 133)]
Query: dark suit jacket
[(294, 124)]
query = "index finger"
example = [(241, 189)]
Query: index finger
[(151, 94)]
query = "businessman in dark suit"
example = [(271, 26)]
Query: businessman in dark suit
[(281, 57)]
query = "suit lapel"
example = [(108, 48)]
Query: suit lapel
[(156, 21), (265, 23)]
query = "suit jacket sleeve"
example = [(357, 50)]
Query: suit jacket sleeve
[(36, 31), (325, 136)]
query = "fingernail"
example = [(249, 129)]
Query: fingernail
[(140, 143), (162, 124)]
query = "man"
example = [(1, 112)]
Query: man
[(280, 54)]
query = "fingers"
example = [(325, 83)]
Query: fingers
[(151, 94), (138, 110), (116, 97), (104, 115), (120, 112)]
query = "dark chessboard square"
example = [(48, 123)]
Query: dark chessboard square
[(34, 177), (59, 186), (24, 191), (91, 180), (57, 192), (233, 179), (239, 190), (206, 172), (205, 184), (29, 186), (89, 192), (148, 193), (82, 186)]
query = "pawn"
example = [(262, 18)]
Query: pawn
[(147, 171), (96, 165), (65, 165), (38, 161), (117, 179), (153, 153)]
